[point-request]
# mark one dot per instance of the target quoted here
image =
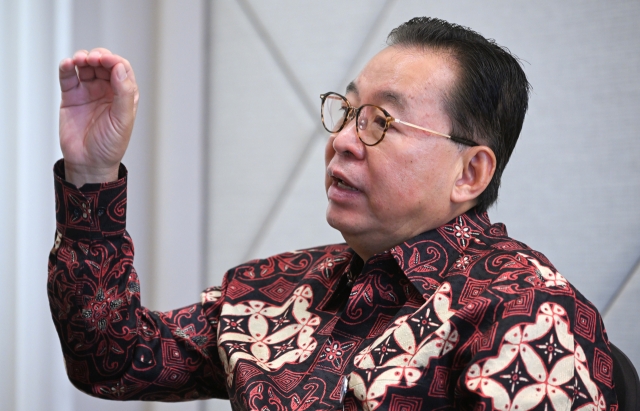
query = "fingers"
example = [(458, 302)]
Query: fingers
[(110, 60), (68, 75), (87, 66), (125, 96)]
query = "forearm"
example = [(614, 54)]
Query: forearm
[(113, 347), (95, 303)]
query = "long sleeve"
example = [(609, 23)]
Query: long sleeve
[(114, 348), (523, 363)]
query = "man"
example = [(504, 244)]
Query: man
[(429, 306)]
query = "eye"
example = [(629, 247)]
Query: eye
[(380, 121), (392, 128)]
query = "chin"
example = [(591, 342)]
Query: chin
[(339, 221), (347, 225), (333, 222)]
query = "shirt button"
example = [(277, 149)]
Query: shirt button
[(345, 387)]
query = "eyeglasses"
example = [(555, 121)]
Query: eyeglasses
[(372, 122)]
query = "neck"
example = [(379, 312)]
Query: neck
[(366, 245)]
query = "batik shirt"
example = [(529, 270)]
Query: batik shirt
[(459, 317)]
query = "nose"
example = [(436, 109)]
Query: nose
[(346, 142)]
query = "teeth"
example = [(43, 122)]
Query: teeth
[(342, 184)]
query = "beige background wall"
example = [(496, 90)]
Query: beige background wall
[(226, 159)]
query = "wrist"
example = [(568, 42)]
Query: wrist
[(93, 211), (80, 175)]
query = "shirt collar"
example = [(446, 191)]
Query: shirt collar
[(426, 258)]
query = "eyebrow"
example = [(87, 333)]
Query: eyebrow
[(390, 97), (352, 88)]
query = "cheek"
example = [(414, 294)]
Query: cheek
[(329, 152), (408, 186), (392, 183), (405, 190)]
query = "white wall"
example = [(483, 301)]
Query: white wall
[(226, 159), (573, 184), (34, 34)]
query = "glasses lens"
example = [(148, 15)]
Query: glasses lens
[(372, 124), (334, 110)]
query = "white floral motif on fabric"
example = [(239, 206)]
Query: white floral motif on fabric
[(550, 277), (404, 365), (267, 335), (582, 369), (550, 378)]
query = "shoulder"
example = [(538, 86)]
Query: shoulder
[(276, 277), (291, 263), (518, 279), (541, 312), (526, 285), (506, 260)]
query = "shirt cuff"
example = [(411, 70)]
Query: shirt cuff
[(93, 211)]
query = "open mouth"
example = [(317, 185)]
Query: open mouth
[(342, 184)]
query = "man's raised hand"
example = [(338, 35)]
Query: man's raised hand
[(97, 112)]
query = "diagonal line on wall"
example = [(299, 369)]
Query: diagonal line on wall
[(286, 188), (278, 57), (206, 147), (283, 194), (369, 37), (635, 271)]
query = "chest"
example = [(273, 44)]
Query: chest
[(287, 344)]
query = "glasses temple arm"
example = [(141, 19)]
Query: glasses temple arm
[(421, 128), (460, 140)]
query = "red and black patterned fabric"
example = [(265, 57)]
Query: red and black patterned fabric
[(460, 317)]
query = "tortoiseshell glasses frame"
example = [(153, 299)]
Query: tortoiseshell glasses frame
[(369, 126)]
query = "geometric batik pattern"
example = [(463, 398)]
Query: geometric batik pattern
[(460, 317)]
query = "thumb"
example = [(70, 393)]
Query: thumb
[(125, 92)]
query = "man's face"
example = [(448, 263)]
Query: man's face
[(382, 195)]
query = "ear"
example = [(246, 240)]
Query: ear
[(478, 166)]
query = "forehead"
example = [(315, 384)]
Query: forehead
[(405, 78)]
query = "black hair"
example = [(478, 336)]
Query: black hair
[(491, 94)]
